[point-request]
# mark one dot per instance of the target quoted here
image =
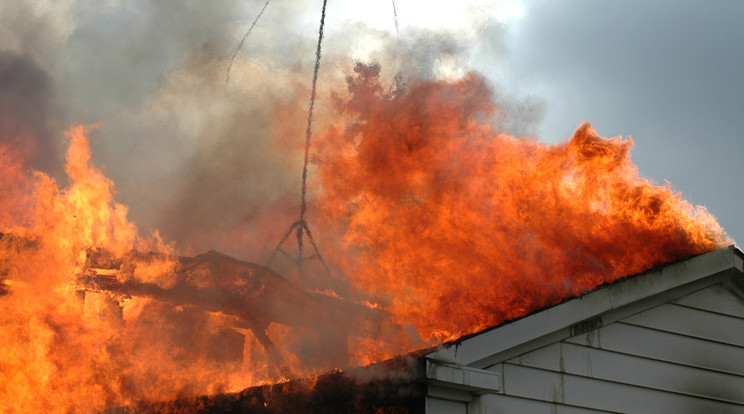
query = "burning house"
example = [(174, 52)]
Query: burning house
[(471, 271), (85, 312)]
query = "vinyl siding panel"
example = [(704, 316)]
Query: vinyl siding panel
[(692, 322), (632, 370), (527, 382), (505, 404), (684, 356), (665, 346), (717, 299)]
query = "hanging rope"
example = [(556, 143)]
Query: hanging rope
[(240, 45), (308, 131), (300, 226)]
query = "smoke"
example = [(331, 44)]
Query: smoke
[(26, 139), (209, 165), (181, 150), (204, 162), (27, 110), (242, 41), (36, 29)]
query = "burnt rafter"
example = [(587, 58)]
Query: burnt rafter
[(248, 296), (253, 295)]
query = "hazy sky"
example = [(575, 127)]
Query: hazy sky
[(668, 73), (196, 158)]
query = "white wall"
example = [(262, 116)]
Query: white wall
[(685, 356)]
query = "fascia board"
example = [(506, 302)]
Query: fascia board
[(461, 377)]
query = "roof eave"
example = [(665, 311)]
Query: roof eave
[(597, 308)]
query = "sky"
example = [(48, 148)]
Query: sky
[(666, 73), (201, 160)]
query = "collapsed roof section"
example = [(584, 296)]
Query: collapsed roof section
[(248, 296)]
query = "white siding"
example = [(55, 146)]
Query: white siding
[(439, 406), (692, 322), (665, 346), (591, 393), (684, 356), (504, 404), (716, 298), (628, 369)]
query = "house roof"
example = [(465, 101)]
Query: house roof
[(456, 369), (604, 305)]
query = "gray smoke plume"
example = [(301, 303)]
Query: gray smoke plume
[(27, 110), (242, 41), (212, 166)]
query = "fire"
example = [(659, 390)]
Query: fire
[(47, 348), (443, 223), (15, 188), (59, 353), (457, 226)]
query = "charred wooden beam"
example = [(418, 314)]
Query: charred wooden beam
[(253, 295), (216, 282)]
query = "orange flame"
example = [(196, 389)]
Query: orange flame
[(441, 220), (15, 187), (61, 354), (457, 226)]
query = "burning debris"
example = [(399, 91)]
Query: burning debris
[(81, 304), (217, 304), (250, 297)]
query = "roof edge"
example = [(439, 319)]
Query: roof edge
[(614, 301)]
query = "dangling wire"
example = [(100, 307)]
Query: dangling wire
[(395, 17), (240, 45)]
